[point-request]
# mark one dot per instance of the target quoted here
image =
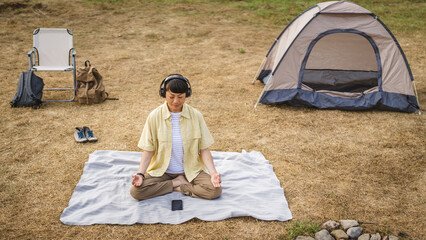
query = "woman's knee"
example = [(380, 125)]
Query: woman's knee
[(216, 192), (211, 192), (136, 193)]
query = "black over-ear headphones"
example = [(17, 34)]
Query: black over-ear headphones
[(170, 77)]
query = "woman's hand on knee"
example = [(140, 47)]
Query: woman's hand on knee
[(137, 180), (215, 178)]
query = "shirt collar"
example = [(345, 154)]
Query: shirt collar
[(166, 112)]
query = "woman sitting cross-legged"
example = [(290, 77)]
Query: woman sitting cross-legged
[(175, 142)]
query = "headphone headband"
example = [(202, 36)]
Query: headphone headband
[(171, 77)]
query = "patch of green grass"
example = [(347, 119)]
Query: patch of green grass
[(109, 5), (384, 230), (402, 16), (302, 228), (152, 36), (106, 1), (241, 50), (405, 16)]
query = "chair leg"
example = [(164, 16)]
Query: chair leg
[(64, 89), (74, 85)]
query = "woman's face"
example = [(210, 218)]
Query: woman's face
[(175, 101)]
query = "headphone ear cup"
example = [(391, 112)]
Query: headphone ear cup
[(188, 93), (162, 92)]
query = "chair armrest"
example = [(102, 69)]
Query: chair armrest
[(31, 57), (73, 53)]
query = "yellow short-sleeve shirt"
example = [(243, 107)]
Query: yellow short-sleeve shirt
[(157, 137)]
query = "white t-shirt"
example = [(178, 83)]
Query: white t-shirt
[(176, 159)]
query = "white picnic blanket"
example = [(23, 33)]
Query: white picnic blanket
[(102, 196)]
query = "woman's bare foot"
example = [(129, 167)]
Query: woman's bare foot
[(179, 180)]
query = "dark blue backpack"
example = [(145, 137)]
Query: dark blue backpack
[(29, 92)]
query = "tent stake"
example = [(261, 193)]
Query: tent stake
[(417, 96), (258, 70), (258, 100)]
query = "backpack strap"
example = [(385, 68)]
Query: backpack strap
[(108, 98), (30, 91), (28, 84), (18, 94), (87, 93)]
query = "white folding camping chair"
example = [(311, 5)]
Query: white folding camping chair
[(53, 51)]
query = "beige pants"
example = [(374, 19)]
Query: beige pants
[(200, 187)]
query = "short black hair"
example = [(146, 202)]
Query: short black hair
[(176, 86)]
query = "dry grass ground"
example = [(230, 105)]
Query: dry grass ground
[(367, 165)]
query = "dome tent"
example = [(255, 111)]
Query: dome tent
[(337, 55)]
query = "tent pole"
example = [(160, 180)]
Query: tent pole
[(417, 96), (258, 100), (258, 70)]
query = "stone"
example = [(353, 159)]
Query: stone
[(346, 224), (331, 225), (339, 235), (375, 237), (391, 237), (354, 232), (323, 235), (364, 236), (304, 238)]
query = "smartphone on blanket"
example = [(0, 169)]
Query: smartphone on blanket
[(177, 205)]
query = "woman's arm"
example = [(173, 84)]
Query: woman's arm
[(137, 180), (207, 157)]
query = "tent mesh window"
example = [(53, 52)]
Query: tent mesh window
[(343, 62)]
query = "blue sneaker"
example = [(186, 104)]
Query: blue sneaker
[(79, 135), (89, 134)]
